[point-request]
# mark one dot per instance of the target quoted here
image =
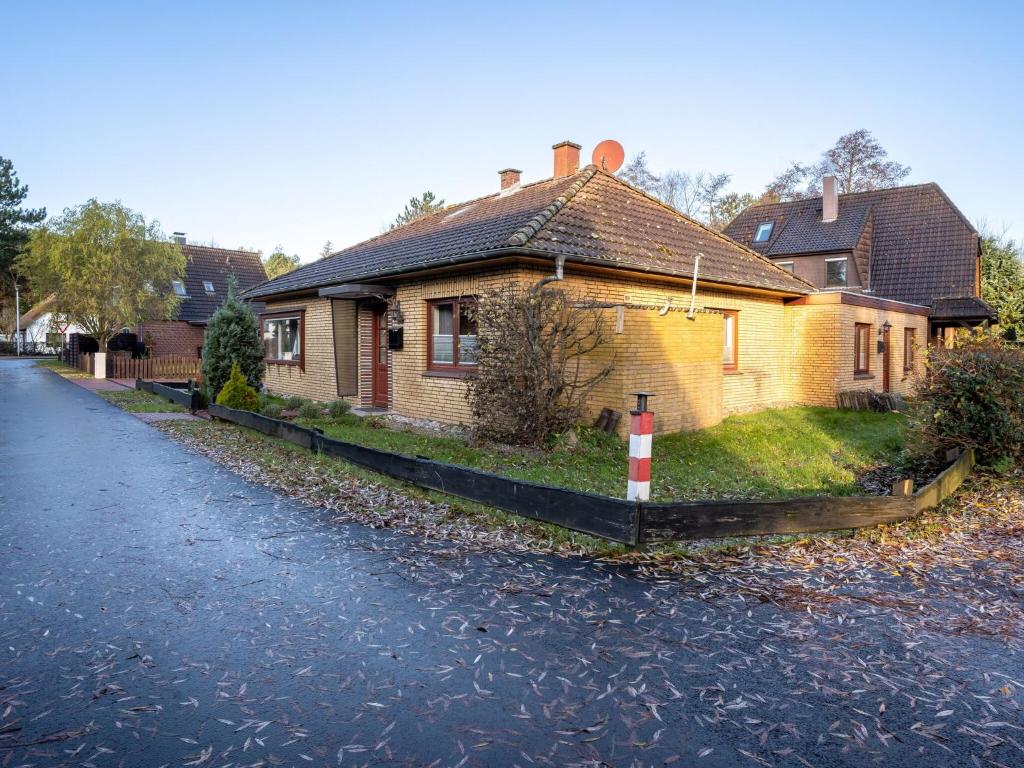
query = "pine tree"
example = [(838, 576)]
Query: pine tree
[(232, 336)]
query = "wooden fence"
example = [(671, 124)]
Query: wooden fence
[(619, 520), (164, 367)]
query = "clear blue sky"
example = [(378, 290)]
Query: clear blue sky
[(256, 124)]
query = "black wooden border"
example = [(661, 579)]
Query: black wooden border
[(187, 398), (603, 516)]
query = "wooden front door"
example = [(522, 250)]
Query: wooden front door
[(886, 355), (380, 360)]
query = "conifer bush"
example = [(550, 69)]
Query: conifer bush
[(232, 338), (237, 393)]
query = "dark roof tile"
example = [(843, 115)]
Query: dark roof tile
[(215, 264)]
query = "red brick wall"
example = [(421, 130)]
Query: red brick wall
[(171, 337)]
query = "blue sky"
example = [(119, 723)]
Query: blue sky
[(256, 124)]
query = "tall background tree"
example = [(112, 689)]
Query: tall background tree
[(699, 194), (106, 266), (232, 338), (16, 222), (1002, 282), (280, 263), (327, 249), (857, 160), (416, 208)]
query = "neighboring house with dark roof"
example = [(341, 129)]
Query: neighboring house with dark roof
[(384, 323), (910, 244), (203, 289)]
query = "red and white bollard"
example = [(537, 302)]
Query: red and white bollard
[(641, 430)]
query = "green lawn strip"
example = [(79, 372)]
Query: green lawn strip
[(780, 453), (137, 401), (62, 368)]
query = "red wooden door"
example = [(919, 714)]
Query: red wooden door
[(380, 360), (886, 354)]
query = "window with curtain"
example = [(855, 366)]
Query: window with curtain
[(862, 348), (909, 342), (452, 334), (282, 339)]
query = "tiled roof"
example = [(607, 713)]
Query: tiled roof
[(588, 217), (215, 264), (962, 307), (804, 232), (922, 247)]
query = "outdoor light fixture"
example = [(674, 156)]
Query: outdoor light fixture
[(395, 316)]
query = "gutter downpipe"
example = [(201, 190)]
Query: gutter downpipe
[(559, 274), (693, 288)]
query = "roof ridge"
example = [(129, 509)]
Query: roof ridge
[(844, 194), (721, 236), (522, 235)]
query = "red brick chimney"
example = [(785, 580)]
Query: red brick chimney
[(509, 177), (567, 159)]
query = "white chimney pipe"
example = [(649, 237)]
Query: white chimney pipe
[(829, 199)]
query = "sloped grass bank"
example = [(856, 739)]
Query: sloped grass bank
[(781, 453)]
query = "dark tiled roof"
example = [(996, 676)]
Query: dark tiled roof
[(215, 264), (922, 247), (804, 231), (589, 217), (962, 307)]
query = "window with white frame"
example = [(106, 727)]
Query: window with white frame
[(179, 287), (786, 265), (282, 338), (764, 231), (835, 273), (208, 286)]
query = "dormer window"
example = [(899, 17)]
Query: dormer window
[(208, 286), (764, 231), (179, 287)]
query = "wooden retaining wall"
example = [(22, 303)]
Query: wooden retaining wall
[(181, 394), (617, 519)]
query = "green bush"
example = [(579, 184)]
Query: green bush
[(232, 337), (271, 410), (339, 408), (972, 396), (237, 393), (310, 410), (294, 402)]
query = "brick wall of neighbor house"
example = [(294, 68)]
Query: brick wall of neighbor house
[(171, 337), (317, 378)]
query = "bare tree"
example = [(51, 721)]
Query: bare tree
[(638, 174), (533, 376), (857, 160)]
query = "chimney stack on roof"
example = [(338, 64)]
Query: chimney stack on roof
[(829, 199), (509, 177), (567, 159), (179, 238)]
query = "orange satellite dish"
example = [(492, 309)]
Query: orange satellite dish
[(608, 155)]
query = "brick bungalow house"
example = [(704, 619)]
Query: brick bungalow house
[(203, 289), (383, 323), (910, 244)]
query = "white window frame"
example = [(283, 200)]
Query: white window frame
[(769, 227), (846, 272), (179, 288), (784, 264), (208, 286)]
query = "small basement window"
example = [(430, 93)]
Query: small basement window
[(764, 231), (282, 338), (835, 273), (179, 287), (208, 286)]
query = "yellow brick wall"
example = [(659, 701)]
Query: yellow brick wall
[(318, 380), (822, 346)]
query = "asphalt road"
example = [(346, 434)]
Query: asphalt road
[(156, 610)]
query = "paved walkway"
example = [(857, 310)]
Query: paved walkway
[(101, 385), (157, 610)]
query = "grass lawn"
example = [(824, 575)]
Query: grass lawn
[(137, 401), (65, 370), (772, 454)]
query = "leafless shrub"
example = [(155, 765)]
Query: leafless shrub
[(533, 375)]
